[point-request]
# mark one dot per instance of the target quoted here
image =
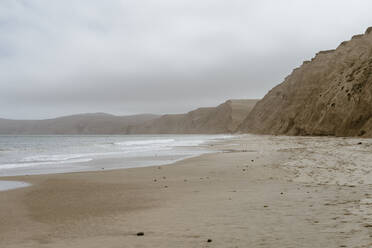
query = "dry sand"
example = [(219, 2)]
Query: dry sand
[(262, 191)]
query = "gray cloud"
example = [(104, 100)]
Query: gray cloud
[(163, 56)]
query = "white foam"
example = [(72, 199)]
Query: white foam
[(40, 156), (50, 158), (145, 142), (161, 143)]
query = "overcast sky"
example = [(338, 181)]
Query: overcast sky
[(161, 56)]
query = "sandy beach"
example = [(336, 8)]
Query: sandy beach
[(254, 191)]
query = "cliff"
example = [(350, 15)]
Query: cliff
[(329, 95), (224, 118)]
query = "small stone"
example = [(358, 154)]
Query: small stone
[(359, 143), (281, 193), (165, 186), (265, 206), (209, 240), (140, 234)]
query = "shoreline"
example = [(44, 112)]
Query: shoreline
[(6, 185), (25, 179), (113, 162), (262, 191)]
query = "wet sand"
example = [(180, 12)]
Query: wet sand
[(261, 191)]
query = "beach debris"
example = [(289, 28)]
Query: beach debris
[(359, 143), (265, 206), (140, 234), (166, 186), (252, 160), (155, 180), (209, 240)]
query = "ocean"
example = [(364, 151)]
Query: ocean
[(45, 154)]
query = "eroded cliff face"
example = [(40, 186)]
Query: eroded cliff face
[(329, 95), (224, 118)]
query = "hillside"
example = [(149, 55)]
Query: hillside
[(224, 118), (329, 95), (98, 123)]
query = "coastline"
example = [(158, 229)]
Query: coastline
[(6, 185), (9, 185), (251, 193), (95, 153)]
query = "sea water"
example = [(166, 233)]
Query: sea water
[(7, 185), (34, 154)]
